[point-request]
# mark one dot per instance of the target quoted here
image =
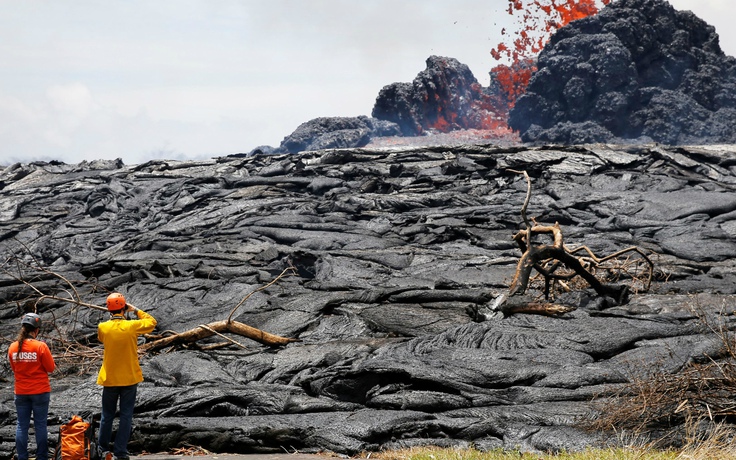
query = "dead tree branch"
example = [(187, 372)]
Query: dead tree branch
[(219, 327), (81, 354), (216, 328), (72, 301), (558, 265), (534, 256), (290, 269)]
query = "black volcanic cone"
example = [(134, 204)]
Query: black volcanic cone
[(443, 97), (638, 70)]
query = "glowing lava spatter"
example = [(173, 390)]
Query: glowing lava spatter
[(538, 20)]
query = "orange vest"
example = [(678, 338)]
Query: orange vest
[(31, 367)]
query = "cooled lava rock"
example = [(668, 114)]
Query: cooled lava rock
[(400, 254), (637, 70), (444, 97), (336, 132)]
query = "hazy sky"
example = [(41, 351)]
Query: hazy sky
[(186, 79)]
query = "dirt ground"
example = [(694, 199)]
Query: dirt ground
[(295, 456)]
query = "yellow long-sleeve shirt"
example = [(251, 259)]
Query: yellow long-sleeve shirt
[(120, 366)]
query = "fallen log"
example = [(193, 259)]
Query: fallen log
[(217, 327), (200, 332)]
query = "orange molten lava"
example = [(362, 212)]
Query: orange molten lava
[(538, 20)]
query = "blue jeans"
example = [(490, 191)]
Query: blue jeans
[(110, 398), (38, 405)]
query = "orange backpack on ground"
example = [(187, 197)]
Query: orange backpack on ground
[(76, 440)]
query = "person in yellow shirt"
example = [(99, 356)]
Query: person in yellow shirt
[(120, 373), (31, 362)]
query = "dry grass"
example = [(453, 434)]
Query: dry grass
[(471, 454), (718, 448), (716, 443), (702, 392)]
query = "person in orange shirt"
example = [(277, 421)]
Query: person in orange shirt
[(120, 373), (31, 362)]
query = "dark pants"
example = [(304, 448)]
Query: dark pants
[(38, 405), (110, 398)]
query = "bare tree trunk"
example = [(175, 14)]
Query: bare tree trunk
[(218, 327), (547, 258)]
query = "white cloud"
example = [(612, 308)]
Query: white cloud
[(74, 100), (193, 78)]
